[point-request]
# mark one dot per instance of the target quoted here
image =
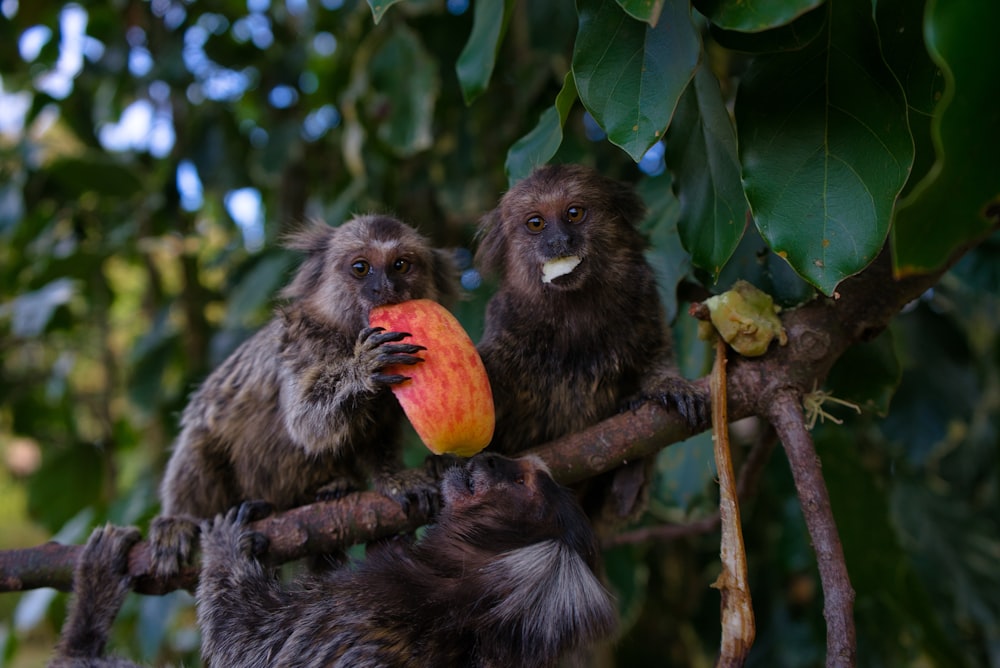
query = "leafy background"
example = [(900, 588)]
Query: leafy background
[(152, 153)]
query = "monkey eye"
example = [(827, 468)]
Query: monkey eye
[(519, 480), (401, 265), (361, 268), (535, 224), (574, 214)]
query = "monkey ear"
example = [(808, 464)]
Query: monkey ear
[(627, 203), (444, 270), (492, 241), (312, 238)]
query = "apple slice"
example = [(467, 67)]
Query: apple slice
[(447, 399)]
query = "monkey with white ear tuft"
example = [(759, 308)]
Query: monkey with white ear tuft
[(303, 408), (503, 578)]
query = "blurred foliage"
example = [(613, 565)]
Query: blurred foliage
[(153, 152)]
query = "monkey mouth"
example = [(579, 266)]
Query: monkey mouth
[(559, 266)]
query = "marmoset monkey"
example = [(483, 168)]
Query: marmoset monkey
[(504, 578), (576, 330), (100, 583), (303, 408)]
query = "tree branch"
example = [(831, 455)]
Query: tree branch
[(819, 332), (838, 596)]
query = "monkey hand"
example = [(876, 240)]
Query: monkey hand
[(173, 540), (101, 581), (227, 539), (105, 558), (378, 349), (692, 401), (418, 486), (337, 488)]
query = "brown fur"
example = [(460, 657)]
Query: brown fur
[(100, 583), (564, 355), (302, 408), (505, 578)]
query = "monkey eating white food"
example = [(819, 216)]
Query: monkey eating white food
[(559, 266)]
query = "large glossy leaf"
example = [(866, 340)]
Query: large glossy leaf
[(539, 145), (753, 16), (701, 153), (475, 63), (630, 75), (959, 199), (825, 148)]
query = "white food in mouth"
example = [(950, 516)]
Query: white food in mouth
[(559, 266)]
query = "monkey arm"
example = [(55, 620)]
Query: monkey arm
[(334, 400), (242, 608), (101, 580)]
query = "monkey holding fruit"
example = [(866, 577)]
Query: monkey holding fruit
[(575, 331), (303, 409), (503, 578)]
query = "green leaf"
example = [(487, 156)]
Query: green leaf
[(753, 16), (755, 262), (404, 79), (644, 10), (380, 7), (788, 37), (475, 63), (959, 199), (629, 75), (666, 254), (900, 27), (538, 146), (825, 148), (701, 153)]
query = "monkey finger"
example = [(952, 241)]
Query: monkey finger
[(394, 348), (378, 338), (254, 543), (251, 511), (389, 360), (389, 378), (367, 332)]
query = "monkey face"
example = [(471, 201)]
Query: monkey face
[(486, 477), (366, 262), (559, 229), (494, 503), (382, 261)]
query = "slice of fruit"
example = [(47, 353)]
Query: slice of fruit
[(560, 266), (447, 398)]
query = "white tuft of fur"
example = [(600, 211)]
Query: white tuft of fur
[(560, 266), (553, 595)]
